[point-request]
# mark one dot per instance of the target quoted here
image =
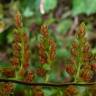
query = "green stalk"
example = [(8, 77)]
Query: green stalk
[(79, 62), (77, 74), (46, 78), (22, 49), (22, 52)]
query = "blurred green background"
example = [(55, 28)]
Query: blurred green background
[(62, 18)]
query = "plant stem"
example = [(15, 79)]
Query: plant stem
[(22, 50), (47, 84), (77, 75), (79, 62)]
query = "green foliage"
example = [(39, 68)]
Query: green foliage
[(64, 26), (49, 92), (4, 64), (28, 12), (63, 53), (30, 7), (84, 6), (50, 5)]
